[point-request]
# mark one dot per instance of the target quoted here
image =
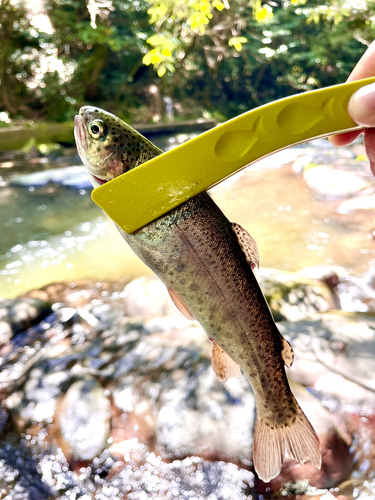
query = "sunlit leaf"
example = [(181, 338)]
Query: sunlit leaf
[(170, 67), (217, 4), (166, 52), (161, 70), (236, 42), (147, 59), (264, 14)]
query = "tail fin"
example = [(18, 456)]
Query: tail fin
[(298, 438)]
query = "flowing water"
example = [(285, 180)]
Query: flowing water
[(54, 232)]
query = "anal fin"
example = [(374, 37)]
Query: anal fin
[(180, 304), (223, 365), (247, 244)]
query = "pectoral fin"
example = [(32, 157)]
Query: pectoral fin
[(286, 352), (248, 245), (180, 305), (222, 364)]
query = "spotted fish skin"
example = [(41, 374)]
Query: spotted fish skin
[(199, 255)]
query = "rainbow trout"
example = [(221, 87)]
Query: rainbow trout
[(207, 264)]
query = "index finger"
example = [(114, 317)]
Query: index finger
[(365, 68)]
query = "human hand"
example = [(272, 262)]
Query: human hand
[(361, 107)]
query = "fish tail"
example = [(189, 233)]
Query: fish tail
[(298, 438)]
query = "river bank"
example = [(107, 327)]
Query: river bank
[(47, 136)]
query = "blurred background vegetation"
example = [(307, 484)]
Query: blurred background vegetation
[(143, 60)]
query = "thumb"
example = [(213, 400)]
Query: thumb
[(361, 106)]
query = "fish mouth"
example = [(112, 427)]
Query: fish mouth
[(97, 179), (80, 134)]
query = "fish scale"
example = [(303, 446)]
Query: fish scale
[(206, 263)]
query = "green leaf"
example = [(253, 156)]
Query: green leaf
[(161, 70)]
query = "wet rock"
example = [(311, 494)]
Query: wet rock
[(20, 314), (19, 478), (357, 293), (292, 297), (334, 356), (331, 182), (135, 406), (3, 418), (357, 203), (81, 293), (66, 315), (84, 419), (356, 488), (199, 415), (360, 422), (191, 478), (35, 402), (148, 296), (166, 386), (150, 477), (6, 332), (132, 421)]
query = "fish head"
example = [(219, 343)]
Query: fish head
[(108, 147)]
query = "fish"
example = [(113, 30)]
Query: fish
[(207, 264)]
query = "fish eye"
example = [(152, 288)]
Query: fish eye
[(97, 129)]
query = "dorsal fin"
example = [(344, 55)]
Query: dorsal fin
[(180, 305), (286, 352), (222, 364), (247, 244)]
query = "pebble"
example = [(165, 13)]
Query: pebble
[(84, 420)]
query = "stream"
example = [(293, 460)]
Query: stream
[(52, 231)]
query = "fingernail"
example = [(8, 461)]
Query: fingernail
[(361, 106)]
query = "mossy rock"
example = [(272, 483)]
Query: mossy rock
[(291, 297)]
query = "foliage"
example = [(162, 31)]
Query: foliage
[(250, 53), (17, 52), (209, 56)]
